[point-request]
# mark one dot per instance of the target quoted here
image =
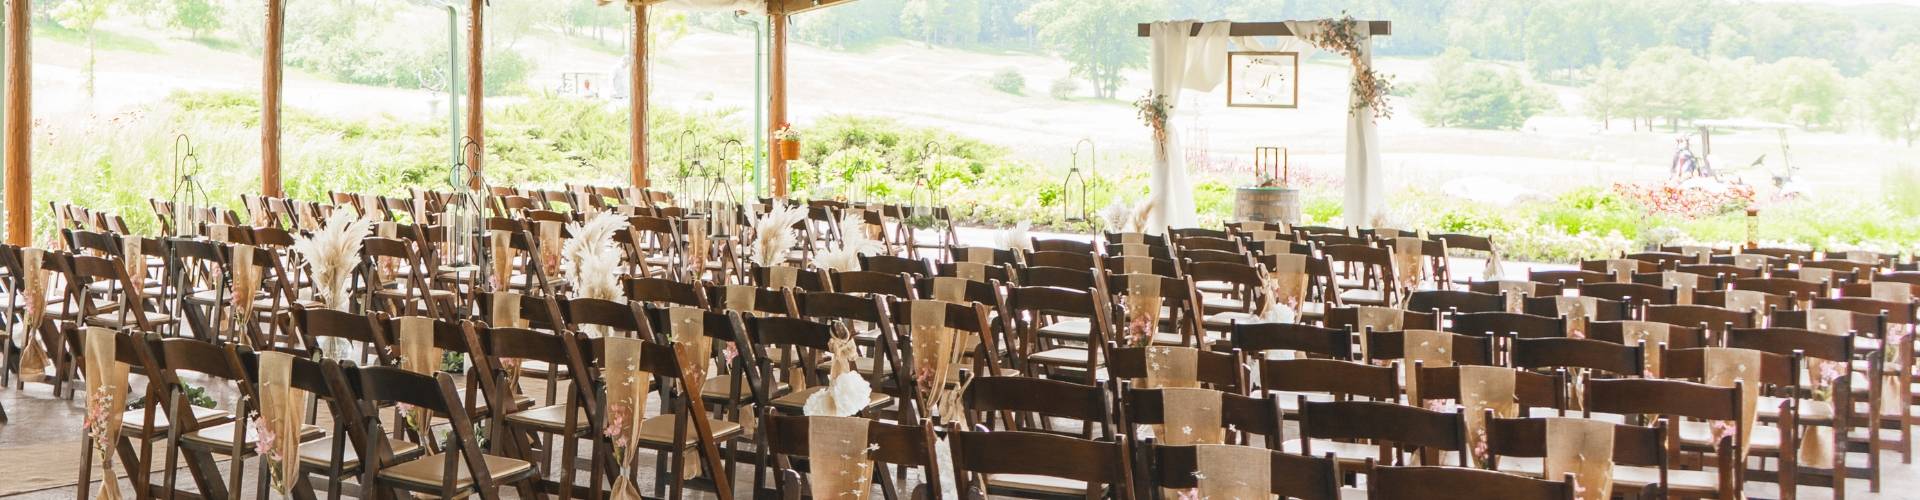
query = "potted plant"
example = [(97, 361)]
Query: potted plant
[(789, 142)]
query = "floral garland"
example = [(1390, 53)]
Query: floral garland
[(1154, 109), (1340, 37)]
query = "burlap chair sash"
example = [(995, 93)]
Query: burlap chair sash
[(1136, 264), (1430, 349), (547, 234), (686, 329), (1652, 334), (134, 258), (626, 405), (1724, 366), (1190, 416), (281, 408), (974, 271), (417, 354), (1892, 291), (978, 255), (1700, 254), (107, 383), (1143, 301), (937, 354), (33, 358), (783, 277), (246, 281), (500, 255), (1578, 311), (1622, 269), (1816, 274), (1584, 448), (1134, 249), (1408, 261), (1516, 293), (950, 289), (1229, 471), (1288, 281), (1750, 261), (1687, 283), (698, 247), (1483, 388), (1379, 319), (838, 457), (1171, 367), (743, 299)]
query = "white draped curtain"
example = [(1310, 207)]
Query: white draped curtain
[(1181, 62), (1199, 63)]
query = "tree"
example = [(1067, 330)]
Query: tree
[(1097, 37), (1805, 91), (1893, 88), (198, 17), (84, 15), (1606, 97), (1560, 36), (1464, 94), (943, 22)]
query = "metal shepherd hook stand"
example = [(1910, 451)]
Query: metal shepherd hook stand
[(466, 212)]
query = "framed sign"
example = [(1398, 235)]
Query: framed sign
[(1263, 79)]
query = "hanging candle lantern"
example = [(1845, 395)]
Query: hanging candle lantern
[(188, 195), (465, 218), (1073, 196)]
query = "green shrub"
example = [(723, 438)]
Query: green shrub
[(1008, 80), (1064, 88)]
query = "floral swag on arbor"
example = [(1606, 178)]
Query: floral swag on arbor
[(1371, 87)]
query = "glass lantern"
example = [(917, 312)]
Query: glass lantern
[(465, 218), (1073, 196), (188, 194)]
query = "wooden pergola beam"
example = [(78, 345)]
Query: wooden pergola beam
[(1374, 28), (637, 100), (476, 89), (777, 103), (19, 128), (270, 85), (791, 7)]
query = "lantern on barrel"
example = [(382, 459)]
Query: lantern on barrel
[(465, 216)]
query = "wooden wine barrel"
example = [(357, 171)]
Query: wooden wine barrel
[(1267, 204)]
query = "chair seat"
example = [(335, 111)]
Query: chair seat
[(130, 422), (1069, 328), (537, 368), (520, 402), (1700, 434), (1363, 297), (720, 388), (1626, 477), (1345, 452), (796, 400), (219, 438), (1028, 483), (113, 319), (394, 293), (1061, 356), (1223, 304), (428, 472), (1768, 409), (657, 431), (1225, 320), (318, 453), (550, 419)]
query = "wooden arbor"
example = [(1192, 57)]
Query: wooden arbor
[(1365, 192)]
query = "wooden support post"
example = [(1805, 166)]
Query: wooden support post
[(270, 99), (777, 103), (637, 99), (476, 89), (19, 128)]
